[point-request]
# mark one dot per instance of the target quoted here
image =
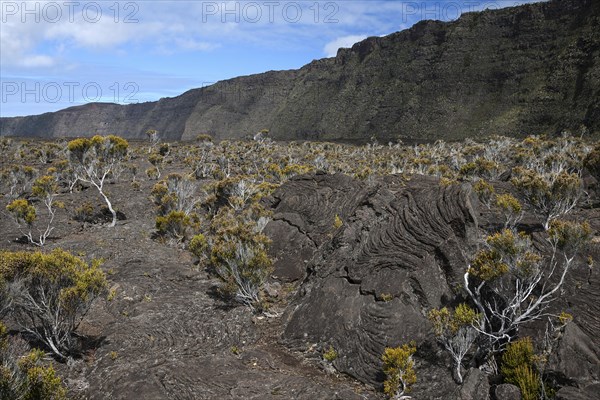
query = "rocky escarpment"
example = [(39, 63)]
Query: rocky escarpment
[(520, 70), (398, 254), (305, 216), (401, 250)]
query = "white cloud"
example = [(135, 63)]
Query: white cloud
[(34, 40), (332, 47), (37, 61), (194, 45), (103, 34)]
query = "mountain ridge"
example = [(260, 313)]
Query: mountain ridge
[(515, 71)]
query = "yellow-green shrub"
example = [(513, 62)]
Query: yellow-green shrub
[(173, 224), (518, 368), (50, 293), (26, 377), (398, 366), (455, 331), (238, 252), (330, 355), (22, 211)]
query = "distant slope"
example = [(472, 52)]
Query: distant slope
[(521, 70)]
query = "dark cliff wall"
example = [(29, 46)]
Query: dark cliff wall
[(522, 70)]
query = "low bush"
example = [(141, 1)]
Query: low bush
[(85, 213), (48, 294), (174, 224), (237, 249), (551, 195), (518, 368), (399, 369), (23, 375), (26, 215), (455, 332)]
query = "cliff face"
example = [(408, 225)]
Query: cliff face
[(523, 70)]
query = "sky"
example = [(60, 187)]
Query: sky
[(58, 54)]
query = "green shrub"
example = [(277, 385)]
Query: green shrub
[(152, 173), (485, 191), (204, 137), (23, 211), (518, 368), (26, 215), (84, 213), (25, 376), (238, 252), (237, 191), (528, 380), (174, 224), (175, 198), (50, 294), (517, 353), (551, 195), (156, 160), (455, 332), (337, 222), (480, 168), (199, 246), (176, 193), (398, 366), (386, 297), (569, 236), (45, 189), (488, 265), (330, 355), (291, 170), (510, 208)]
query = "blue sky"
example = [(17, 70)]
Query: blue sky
[(57, 54)]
